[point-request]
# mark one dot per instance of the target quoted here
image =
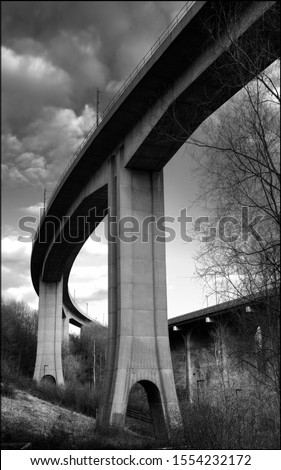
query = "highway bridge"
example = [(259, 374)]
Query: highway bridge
[(228, 344), (118, 169)]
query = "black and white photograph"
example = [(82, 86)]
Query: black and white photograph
[(140, 305)]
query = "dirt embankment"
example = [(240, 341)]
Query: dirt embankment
[(25, 415)]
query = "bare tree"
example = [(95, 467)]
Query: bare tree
[(240, 183), (93, 349), (18, 335), (238, 154), (237, 151)]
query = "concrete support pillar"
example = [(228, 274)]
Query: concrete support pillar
[(188, 366), (138, 349), (221, 351), (48, 358)]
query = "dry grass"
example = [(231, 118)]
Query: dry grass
[(26, 418)]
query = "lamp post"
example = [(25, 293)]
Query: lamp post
[(98, 102)]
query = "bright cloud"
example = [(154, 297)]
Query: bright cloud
[(32, 210), (30, 83), (50, 141), (86, 272), (34, 68), (15, 253), (16, 281)]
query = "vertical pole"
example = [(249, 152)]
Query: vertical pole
[(186, 369), (186, 337), (94, 366), (97, 115), (44, 199)]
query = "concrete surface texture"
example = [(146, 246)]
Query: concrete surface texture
[(50, 331), (138, 333)]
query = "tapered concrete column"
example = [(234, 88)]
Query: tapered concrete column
[(49, 342), (139, 348)]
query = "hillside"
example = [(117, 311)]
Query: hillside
[(32, 423), (27, 418)]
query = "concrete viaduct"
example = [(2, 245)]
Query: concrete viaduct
[(119, 169), (218, 346)]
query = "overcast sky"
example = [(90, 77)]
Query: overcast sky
[(54, 57)]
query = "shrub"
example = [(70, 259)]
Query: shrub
[(246, 422), (138, 399), (8, 390), (19, 334), (10, 375), (74, 396), (81, 398)]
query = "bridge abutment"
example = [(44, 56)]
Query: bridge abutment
[(49, 342), (139, 348)]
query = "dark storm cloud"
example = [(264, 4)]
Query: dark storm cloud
[(40, 155), (28, 84), (54, 57), (94, 43), (43, 20)]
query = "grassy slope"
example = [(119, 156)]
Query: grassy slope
[(26, 418)]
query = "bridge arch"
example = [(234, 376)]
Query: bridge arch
[(154, 401), (156, 406), (48, 379)]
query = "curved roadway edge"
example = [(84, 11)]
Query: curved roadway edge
[(223, 308), (173, 80), (78, 318), (101, 144)]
